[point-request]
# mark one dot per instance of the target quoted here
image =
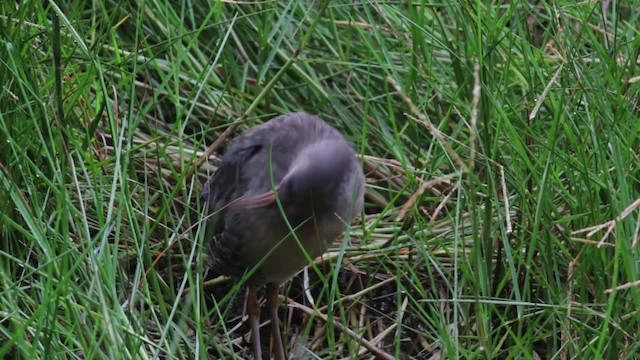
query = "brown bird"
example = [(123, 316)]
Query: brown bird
[(284, 190)]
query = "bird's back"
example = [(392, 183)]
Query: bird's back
[(256, 164)]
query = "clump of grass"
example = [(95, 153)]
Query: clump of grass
[(499, 142)]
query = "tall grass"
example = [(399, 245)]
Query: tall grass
[(500, 142)]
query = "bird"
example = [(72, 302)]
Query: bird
[(285, 190)]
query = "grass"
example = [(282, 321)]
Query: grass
[(500, 142)]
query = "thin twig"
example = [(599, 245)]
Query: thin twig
[(423, 186), (379, 353), (421, 118)]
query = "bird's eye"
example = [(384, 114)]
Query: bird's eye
[(287, 189)]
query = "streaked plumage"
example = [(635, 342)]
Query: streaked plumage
[(294, 169)]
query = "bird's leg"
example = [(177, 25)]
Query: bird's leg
[(253, 308), (272, 304)]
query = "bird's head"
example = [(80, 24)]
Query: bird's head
[(317, 172)]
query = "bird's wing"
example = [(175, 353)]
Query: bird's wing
[(225, 185), (255, 201)]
